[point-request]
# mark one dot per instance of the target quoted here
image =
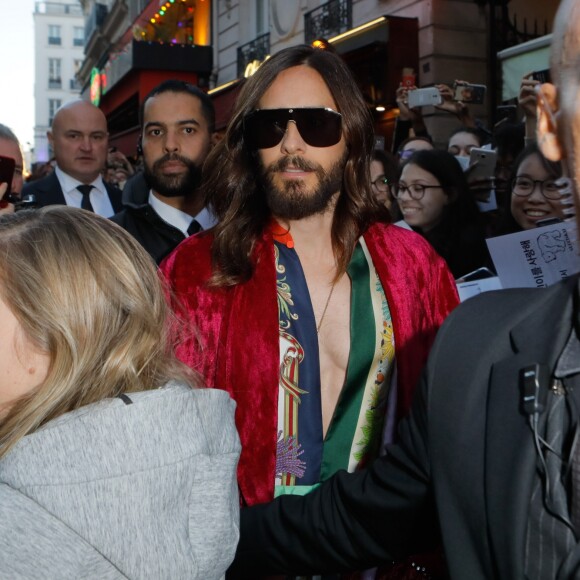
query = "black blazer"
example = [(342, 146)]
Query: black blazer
[(49, 192), (462, 470)]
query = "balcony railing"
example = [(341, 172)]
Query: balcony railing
[(54, 83), (58, 8), (257, 50), (54, 40), (78, 42), (74, 85), (328, 20)]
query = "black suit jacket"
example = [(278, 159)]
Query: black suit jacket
[(462, 470), (49, 192), (137, 217)]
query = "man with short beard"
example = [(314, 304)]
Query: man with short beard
[(163, 204), (310, 309)]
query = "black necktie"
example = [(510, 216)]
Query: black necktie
[(86, 202), (193, 228)]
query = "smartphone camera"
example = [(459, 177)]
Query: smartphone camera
[(468, 93)]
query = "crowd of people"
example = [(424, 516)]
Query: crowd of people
[(269, 320)]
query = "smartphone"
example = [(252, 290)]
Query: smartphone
[(408, 78), (542, 75), (481, 164), (469, 93), (7, 166), (424, 97)]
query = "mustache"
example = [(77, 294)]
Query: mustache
[(171, 157), (297, 162)]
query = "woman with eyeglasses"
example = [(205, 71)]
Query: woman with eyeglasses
[(384, 170), (412, 144), (536, 194), (435, 201)]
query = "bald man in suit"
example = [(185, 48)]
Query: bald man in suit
[(79, 139)]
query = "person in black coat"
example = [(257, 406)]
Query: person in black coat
[(163, 205), (79, 139)]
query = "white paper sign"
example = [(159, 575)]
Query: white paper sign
[(536, 258)]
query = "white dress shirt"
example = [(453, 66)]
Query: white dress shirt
[(73, 197), (179, 219)]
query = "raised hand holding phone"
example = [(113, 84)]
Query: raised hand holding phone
[(457, 108)]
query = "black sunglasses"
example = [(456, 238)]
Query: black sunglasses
[(318, 126)]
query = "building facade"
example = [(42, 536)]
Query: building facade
[(132, 44), (59, 40)]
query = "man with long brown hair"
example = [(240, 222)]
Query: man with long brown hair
[(488, 459), (310, 309)]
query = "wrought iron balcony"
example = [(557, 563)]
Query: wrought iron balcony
[(258, 50), (328, 20)]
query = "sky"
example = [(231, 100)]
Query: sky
[(17, 69)]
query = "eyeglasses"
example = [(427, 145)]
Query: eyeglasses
[(406, 154), (415, 190), (318, 126), (549, 188), (381, 183)]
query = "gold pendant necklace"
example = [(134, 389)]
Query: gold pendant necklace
[(325, 307)]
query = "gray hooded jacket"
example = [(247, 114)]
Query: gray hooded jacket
[(116, 490)]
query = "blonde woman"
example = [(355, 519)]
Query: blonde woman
[(112, 463)]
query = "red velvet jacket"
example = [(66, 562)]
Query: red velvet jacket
[(235, 342)]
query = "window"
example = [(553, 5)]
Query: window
[(262, 23), (54, 77), (54, 34), (53, 105), (79, 36)]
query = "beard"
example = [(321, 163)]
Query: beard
[(293, 200), (175, 185)]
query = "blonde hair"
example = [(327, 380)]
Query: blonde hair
[(89, 295)]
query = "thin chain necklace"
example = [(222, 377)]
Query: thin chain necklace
[(325, 308)]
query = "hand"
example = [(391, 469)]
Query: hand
[(457, 108), (527, 96), (117, 160), (448, 103), (480, 187), (406, 114)]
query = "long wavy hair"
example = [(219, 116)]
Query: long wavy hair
[(231, 187), (88, 295), (459, 237)]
